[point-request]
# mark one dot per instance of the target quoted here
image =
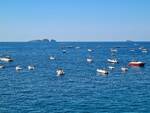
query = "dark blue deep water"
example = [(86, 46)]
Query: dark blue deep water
[(81, 89)]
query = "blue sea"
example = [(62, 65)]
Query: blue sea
[(81, 89)]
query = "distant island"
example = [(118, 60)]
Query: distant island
[(43, 40)]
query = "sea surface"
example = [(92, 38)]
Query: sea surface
[(81, 89)]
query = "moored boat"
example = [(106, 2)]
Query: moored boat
[(136, 63), (18, 68), (124, 69), (31, 67), (112, 60), (89, 60), (6, 59), (52, 58), (2, 66), (102, 71), (60, 72), (90, 50), (111, 67)]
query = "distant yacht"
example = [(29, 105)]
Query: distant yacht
[(18, 68), (2, 66), (113, 50), (53, 41), (136, 63), (31, 67), (145, 50), (90, 50), (6, 59), (111, 67), (77, 47), (112, 60), (52, 58), (102, 71), (124, 69), (60, 72), (89, 60)]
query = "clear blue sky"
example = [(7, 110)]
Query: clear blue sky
[(75, 20)]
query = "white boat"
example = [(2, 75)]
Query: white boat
[(6, 59), (77, 47), (52, 58), (31, 67), (18, 68), (89, 60), (2, 66), (102, 71), (64, 51), (136, 63), (113, 50), (90, 50), (60, 72), (144, 50), (111, 67), (124, 69), (112, 60)]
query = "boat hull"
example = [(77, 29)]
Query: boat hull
[(141, 64)]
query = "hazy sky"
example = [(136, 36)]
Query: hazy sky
[(74, 20)]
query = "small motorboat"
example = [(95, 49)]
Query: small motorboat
[(112, 60), (18, 68), (60, 72), (2, 66), (144, 50), (111, 67), (52, 58), (31, 67), (124, 69), (90, 50), (102, 71), (113, 50), (64, 51), (6, 59), (77, 47), (89, 60), (136, 64)]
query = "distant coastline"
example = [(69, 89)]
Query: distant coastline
[(43, 40)]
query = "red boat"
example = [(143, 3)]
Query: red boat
[(136, 63)]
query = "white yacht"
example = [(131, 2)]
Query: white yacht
[(52, 58), (111, 67), (6, 59), (31, 67), (18, 68), (2, 66), (124, 69), (112, 60), (89, 60), (102, 71), (60, 72), (90, 50)]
